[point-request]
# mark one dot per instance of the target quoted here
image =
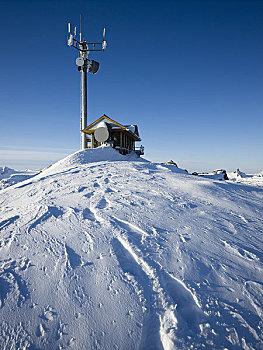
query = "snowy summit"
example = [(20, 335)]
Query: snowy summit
[(106, 251)]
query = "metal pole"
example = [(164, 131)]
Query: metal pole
[(84, 105), (83, 48)]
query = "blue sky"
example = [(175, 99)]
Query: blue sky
[(188, 72)]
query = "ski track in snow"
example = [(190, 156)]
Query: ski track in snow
[(166, 324), (131, 256), (173, 302)]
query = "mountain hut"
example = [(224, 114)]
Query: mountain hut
[(108, 132)]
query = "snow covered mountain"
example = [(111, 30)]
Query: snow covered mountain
[(9, 177), (246, 179), (104, 251)]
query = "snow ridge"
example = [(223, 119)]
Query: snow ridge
[(130, 255)]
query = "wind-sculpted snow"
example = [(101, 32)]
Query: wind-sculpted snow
[(10, 177), (99, 254), (253, 180)]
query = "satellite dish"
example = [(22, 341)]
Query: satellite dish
[(79, 61), (101, 133)]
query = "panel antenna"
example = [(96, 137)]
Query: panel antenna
[(85, 65)]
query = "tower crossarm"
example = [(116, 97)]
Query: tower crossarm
[(84, 65)]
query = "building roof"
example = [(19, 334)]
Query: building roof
[(131, 129)]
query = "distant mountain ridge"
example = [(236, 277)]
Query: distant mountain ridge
[(9, 177)]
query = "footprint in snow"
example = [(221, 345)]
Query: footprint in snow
[(89, 195), (108, 190), (88, 215), (73, 259), (12, 287), (48, 313), (41, 331), (82, 188), (102, 204)]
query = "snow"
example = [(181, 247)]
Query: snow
[(104, 251), (132, 128), (247, 179), (9, 177)]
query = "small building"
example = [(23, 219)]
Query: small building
[(108, 132)]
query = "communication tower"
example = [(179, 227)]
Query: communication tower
[(85, 65)]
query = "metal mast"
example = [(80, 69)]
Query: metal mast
[(84, 65)]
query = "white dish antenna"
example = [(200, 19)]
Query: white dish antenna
[(79, 62), (101, 133)]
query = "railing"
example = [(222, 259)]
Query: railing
[(139, 151)]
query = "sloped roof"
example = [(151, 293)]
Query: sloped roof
[(105, 118), (131, 129)]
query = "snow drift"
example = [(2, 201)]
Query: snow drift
[(246, 179), (10, 177), (102, 253)]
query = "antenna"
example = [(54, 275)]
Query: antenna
[(104, 44), (85, 65), (80, 27), (70, 37)]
